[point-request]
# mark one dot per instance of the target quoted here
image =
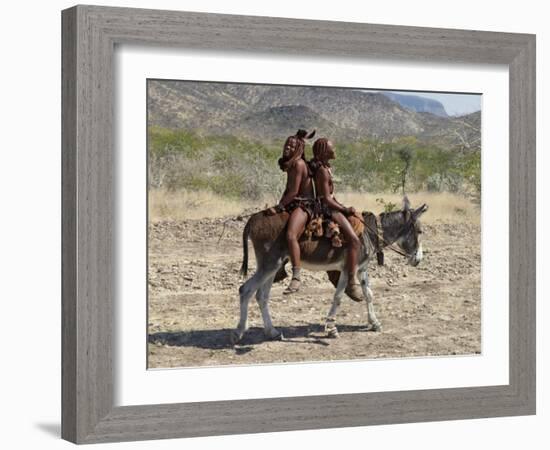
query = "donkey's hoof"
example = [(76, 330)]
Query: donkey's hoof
[(330, 328), (376, 327), (275, 335), (235, 337), (332, 333)]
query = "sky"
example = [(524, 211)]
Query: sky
[(454, 104)]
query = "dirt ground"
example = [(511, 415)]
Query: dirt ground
[(432, 309)]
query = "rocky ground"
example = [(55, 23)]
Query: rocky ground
[(428, 310)]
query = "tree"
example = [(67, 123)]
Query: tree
[(406, 155)]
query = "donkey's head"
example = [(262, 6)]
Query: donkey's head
[(403, 228)]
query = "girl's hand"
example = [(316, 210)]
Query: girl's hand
[(350, 211)]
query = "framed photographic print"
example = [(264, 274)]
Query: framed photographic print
[(248, 201)]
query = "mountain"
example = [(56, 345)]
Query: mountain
[(273, 112), (462, 131), (418, 103), (269, 123)]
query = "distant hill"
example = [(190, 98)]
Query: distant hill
[(462, 131), (271, 122), (271, 113), (418, 103)]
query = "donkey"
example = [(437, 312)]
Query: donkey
[(268, 235)]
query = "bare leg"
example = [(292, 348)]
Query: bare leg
[(295, 228), (352, 240), (353, 289)]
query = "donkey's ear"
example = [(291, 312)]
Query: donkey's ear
[(406, 203), (420, 210)]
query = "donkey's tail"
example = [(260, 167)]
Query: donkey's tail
[(244, 267)]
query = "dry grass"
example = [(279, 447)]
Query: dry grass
[(443, 206), (177, 205)]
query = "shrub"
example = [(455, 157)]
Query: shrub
[(236, 167)]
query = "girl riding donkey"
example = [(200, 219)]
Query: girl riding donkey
[(332, 210), (267, 233), (298, 199)]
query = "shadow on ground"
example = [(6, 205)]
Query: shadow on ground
[(219, 339)]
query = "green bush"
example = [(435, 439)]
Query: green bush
[(387, 206), (238, 167)]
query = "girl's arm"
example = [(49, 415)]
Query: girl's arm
[(293, 181), (322, 178)]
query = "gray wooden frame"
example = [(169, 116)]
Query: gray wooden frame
[(89, 36)]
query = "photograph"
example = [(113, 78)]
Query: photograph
[(292, 223)]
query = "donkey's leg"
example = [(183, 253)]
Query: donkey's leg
[(262, 297), (246, 291), (373, 324), (330, 324)]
